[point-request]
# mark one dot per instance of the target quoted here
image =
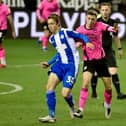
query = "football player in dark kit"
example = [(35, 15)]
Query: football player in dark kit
[(107, 38)]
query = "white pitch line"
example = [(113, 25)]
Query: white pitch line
[(35, 65), (28, 65), (16, 88), (22, 65)]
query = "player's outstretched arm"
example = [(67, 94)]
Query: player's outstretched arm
[(12, 25), (50, 62), (82, 37), (112, 29)]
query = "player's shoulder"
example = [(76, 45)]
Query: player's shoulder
[(66, 30), (42, 3), (112, 20), (6, 8), (63, 29), (98, 23), (5, 5), (80, 28)]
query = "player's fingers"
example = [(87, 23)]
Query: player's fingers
[(44, 65)]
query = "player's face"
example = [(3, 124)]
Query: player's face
[(105, 11), (0, 1), (53, 26), (90, 20)]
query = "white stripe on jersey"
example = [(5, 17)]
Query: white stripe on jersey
[(65, 46), (75, 52), (61, 49)]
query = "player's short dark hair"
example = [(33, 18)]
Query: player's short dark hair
[(106, 4), (55, 17), (94, 9), (91, 12)]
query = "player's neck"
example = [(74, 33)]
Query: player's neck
[(105, 18), (88, 26)]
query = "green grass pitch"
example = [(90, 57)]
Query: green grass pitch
[(24, 107)]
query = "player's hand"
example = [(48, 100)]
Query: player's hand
[(120, 53), (14, 35), (44, 65), (116, 26), (112, 29), (78, 44), (90, 45)]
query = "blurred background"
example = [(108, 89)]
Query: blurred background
[(24, 55), (72, 15)]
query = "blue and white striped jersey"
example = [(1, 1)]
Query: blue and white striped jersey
[(64, 43)]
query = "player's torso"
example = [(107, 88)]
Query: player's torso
[(3, 16), (94, 35), (65, 46), (49, 7), (3, 11)]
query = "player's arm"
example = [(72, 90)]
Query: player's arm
[(106, 27), (118, 45), (58, 11), (82, 37), (39, 13), (53, 59), (50, 62), (9, 17), (117, 40), (111, 29)]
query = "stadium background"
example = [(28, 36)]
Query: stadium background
[(72, 15), (23, 57)]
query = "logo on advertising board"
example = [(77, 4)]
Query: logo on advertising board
[(72, 15)]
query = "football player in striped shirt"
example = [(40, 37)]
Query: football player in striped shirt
[(65, 68)]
